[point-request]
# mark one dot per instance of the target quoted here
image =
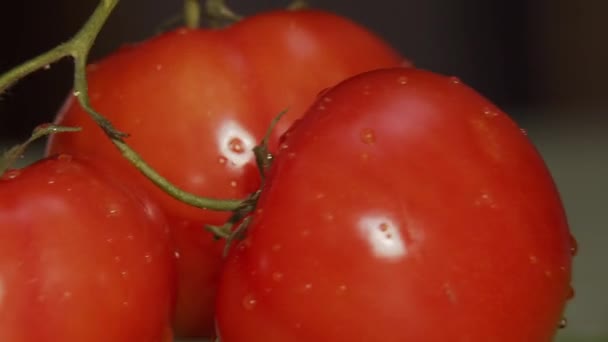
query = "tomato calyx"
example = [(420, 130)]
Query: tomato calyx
[(10, 157)]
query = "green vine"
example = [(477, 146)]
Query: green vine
[(78, 47)]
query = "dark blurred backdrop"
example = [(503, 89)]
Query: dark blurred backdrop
[(518, 53)]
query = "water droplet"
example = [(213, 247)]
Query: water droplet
[(76, 93), (548, 273), (320, 195), (11, 174), (148, 258), (182, 31), (402, 80), (159, 67), (117, 259), (305, 233), (276, 247), (307, 287), (341, 289), (533, 259), (222, 160), (327, 99), (523, 131), (64, 157), (455, 80), (67, 295), (177, 255), (321, 107), (113, 210), (109, 240), (364, 156), (277, 276), (291, 155), (489, 113), (130, 237), (563, 323), (124, 274), (125, 303), (236, 145), (249, 302), (233, 184), (573, 245), (47, 67), (284, 146), (571, 293), (368, 136)]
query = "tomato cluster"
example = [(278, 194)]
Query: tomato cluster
[(399, 205)]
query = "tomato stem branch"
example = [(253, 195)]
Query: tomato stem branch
[(79, 47), (219, 10), (192, 13)]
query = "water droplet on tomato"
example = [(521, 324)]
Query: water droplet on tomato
[(284, 146), (341, 289), (571, 293), (113, 211), (148, 258), (523, 131), (533, 259), (321, 107), (276, 247), (222, 160), (233, 184), (177, 255), (67, 295), (489, 113), (455, 80), (307, 287), (182, 31), (11, 174), (364, 156), (65, 157), (563, 323), (305, 233), (277, 276), (236, 145), (402, 80), (327, 99), (117, 259), (249, 302), (125, 303), (159, 67), (573, 245), (291, 155), (124, 274), (368, 136)]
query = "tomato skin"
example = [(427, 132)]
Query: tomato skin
[(82, 258), (197, 101), (403, 206)]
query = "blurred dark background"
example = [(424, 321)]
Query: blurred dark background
[(518, 53), (545, 62)]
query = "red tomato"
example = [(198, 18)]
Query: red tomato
[(197, 101), (82, 258), (402, 207)]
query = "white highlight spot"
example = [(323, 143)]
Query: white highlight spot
[(229, 131), (383, 236)]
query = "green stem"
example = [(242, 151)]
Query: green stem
[(192, 13), (10, 157), (217, 9), (79, 47)]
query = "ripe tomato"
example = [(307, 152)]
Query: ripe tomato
[(82, 258), (403, 206), (197, 101)]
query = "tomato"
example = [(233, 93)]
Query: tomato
[(197, 101), (403, 206), (82, 258)]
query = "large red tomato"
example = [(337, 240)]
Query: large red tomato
[(197, 101), (402, 207), (82, 258)]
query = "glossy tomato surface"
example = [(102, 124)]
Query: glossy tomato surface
[(402, 207), (197, 101), (82, 258)]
